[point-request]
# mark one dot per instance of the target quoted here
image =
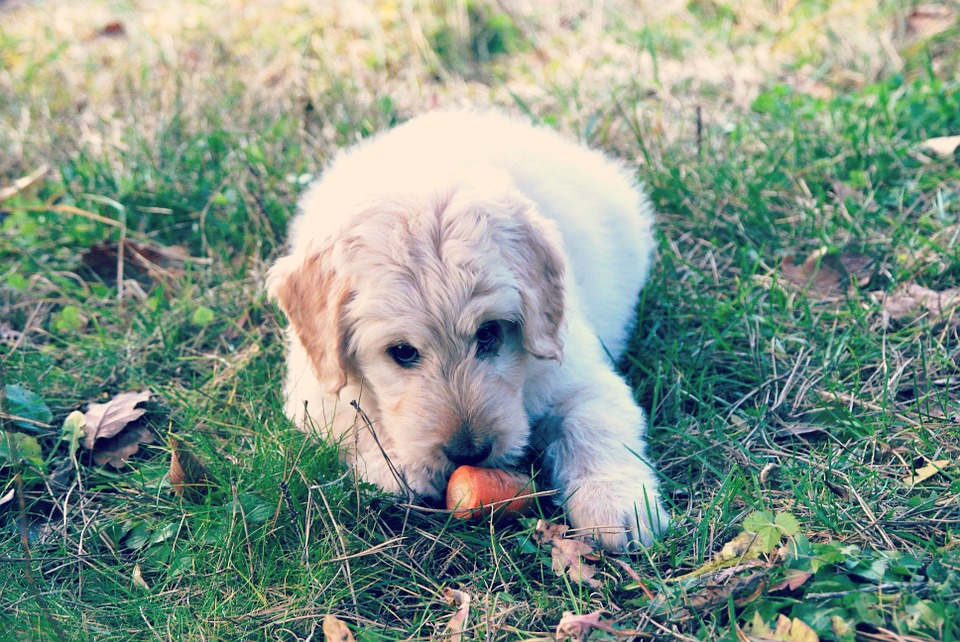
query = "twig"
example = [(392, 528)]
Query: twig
[(393, 469)]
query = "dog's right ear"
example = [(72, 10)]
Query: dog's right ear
[(312, 294)]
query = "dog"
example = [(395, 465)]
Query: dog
[(466, 281)]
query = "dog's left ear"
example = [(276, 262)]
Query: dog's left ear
[(311, 294), (533, 251)]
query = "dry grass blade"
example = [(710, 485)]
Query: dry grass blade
[(23, 183)]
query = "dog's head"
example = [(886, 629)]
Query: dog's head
[(436, 303)]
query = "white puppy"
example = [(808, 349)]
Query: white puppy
[(466, 279)]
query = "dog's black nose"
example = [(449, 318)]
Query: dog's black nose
[(466, 453)]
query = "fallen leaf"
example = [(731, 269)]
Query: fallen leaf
[(114, 28), (929, 19), (859, 267), (826, 275), (703, 596), (117, 450), (795, 579), (138, 578), (913, 300), (926, 472), (762, 532), (104, 420), (578, 627), (144, 262), (942, 145), (16, 447), (746, 545), (334, 630), (27, 409), (813, 276), (567, 554), (8, 496), (188, 475), (457, 623), (785, 630)]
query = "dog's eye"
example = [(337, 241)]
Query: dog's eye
[(404, 354), (489, 337)]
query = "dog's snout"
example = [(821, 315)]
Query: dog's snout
[(464, 450)]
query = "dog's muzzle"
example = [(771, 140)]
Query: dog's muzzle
[(465, 450)]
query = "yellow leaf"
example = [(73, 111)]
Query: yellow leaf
[(785, 630), (800, 631), (744, 547), (926, 472)]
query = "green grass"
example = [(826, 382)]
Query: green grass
[(762, 397)]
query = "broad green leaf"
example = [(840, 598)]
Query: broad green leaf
[(202, 316), (788, 523), (15, 446), (28, 405), (68, 320), (921, 615), (758, 519)]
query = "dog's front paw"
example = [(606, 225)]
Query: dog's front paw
[(619, 516)]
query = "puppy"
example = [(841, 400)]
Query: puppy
[(468, 280)]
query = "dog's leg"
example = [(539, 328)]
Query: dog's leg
[(597, 451)]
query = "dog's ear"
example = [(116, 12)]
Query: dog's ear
[(312, 294), (535, 257)]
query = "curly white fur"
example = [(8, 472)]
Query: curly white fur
[(465, 278)]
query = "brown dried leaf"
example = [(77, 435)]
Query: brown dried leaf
[(188, 476), (457, 623), (117, 450), (579, 627), (144, 262), (913, 300), (567, 555), (825, 276), (930, 19), (138, 578), (334, 630), (859, 267), (742, 588), (819, 279), (795, 579), (105, 420), (926, 472)]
